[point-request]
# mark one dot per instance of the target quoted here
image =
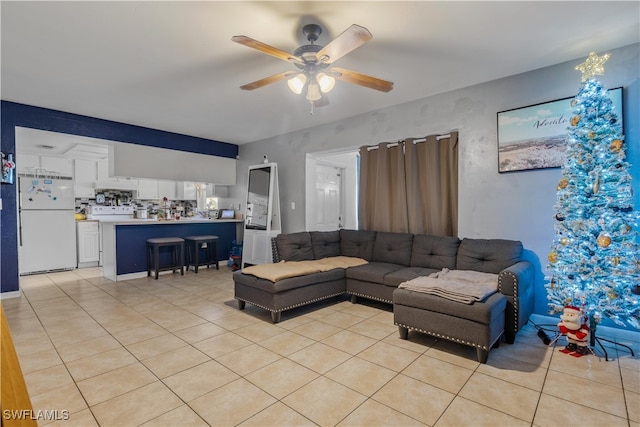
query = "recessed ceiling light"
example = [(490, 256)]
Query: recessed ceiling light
[(45, 146)]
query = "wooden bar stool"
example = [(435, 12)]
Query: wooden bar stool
[(153, 254), (194, 244)]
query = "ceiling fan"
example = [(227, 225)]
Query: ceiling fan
[(316, 75)]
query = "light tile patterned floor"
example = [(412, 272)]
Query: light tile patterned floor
[(177, 352)]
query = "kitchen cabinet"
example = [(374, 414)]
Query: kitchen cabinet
[(27, 163), (88, 243), (44, 165), (84, 176), (59, 165), (221, 190), (217, 190), (148, 189), (186, 191), (167, 189)]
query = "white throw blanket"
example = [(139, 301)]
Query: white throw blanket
[(463, 286)]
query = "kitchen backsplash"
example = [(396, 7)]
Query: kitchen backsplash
[(125, 198)]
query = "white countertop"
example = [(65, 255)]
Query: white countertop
[(134, 221)]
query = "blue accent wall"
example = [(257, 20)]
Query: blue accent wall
[(14, 114)]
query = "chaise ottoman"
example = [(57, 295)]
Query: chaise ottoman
[(480, 324)]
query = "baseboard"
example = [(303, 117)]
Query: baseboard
[(131, 276), (12, 294)]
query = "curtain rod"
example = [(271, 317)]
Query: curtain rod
[(438, 138), (375, 147), (415, 141)]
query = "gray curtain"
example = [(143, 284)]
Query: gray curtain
[(410, 187), (382, 198)]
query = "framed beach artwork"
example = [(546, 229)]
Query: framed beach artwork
[(534, 137)]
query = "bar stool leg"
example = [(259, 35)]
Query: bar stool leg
[(182, 258), (189, 256), (148, 260), (196, 256), (215, 254), (174, 258), (156, 259)]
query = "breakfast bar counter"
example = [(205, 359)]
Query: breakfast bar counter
[(124, 241)]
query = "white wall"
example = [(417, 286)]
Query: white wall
[(491, 205)]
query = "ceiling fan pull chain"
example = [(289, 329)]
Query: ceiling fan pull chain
[(311, 110)]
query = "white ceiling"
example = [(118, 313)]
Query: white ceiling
[(173, 66)]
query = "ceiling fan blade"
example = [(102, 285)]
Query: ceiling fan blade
[(361, 79), (265, 48), (267, 81), (350, 39)]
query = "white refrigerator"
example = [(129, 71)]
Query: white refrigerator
[(46, 226)]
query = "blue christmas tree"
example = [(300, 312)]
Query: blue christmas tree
[(594, 262)]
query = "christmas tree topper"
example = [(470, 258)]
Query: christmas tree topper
[(593, 66)]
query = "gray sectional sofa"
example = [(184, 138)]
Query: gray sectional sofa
[(394, 258)]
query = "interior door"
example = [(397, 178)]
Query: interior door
[(328, 197)]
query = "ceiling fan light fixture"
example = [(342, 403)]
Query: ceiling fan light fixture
[(296, 83), (326, 82), (313, 91)]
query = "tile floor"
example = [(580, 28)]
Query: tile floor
[(177, 352)]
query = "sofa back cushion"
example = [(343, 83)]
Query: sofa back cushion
[(436, 252), (325, 243), (394, 248), (294, 246), (357, 243), (489, 256)]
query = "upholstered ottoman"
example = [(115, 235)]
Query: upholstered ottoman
[(479, 324)]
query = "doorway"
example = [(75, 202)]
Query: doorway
[(329, 206), (331, 191)]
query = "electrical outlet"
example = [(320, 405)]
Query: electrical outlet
[(293, 206)]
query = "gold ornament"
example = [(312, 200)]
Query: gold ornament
[(615, 261), (593, 66), (563, 183), (575, 120), (564, 241), (603, 240), (612, 294), (591, 135), (616, 145), (553, 257)]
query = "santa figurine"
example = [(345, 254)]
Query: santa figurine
[(573, 325)]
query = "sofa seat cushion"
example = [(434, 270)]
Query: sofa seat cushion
[(373, 272), (481, 312), (315, 279), (404, 274)]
